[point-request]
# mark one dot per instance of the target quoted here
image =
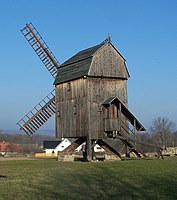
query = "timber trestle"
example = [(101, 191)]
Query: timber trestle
[(108, 148), (76, 143), (122, 134), (79, 141)]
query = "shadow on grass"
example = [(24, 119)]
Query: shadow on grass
[(106, 182), (1, 176)]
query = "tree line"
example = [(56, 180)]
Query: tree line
[(161, 134), (24, 139), (28, 145)]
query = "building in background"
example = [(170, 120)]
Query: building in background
[(52, 148), (9, 147)]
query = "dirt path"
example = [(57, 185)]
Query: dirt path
[(15, 158)]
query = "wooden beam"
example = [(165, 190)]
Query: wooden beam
[(71, 148), (107, 148)]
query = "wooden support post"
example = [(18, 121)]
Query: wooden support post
[(119, 115), (119, 111), (127, 152), (135, 132), (159, 152), (89, 149)]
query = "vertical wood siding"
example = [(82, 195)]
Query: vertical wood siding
[(72, 108), (79, 110), (99, 89), (107, 62)]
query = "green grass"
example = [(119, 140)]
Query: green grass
[(49, 179)]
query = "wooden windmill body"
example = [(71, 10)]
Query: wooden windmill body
[(90, 101)]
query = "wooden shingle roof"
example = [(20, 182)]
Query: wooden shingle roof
[(77, 66)]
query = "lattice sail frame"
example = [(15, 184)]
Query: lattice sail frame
[(37, 116)]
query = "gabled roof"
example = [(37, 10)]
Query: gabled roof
[(51, 144), (108, 101), (82, 55), (78, 65)]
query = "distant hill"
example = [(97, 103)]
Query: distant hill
[(22, 138), (39, 132)]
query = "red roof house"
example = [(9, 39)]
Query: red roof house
[(9, 147)]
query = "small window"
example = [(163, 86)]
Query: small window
[(100, 109), (74, 110), (68, 86), (58, 113)]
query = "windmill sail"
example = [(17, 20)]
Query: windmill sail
[(34, 119), (41, 48)]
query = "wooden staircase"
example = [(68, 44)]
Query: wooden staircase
[(118, 127), (124, 137), (34, 119)]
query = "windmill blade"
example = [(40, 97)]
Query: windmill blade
[(41, 48), (34, 119)]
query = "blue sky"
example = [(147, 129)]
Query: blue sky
[(145, 32)]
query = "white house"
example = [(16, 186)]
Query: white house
[(97, 148), (53, 147)]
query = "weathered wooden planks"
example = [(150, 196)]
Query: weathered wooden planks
[(80, 108), (79, 101)]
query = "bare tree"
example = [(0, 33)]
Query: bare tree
[(162, 130)]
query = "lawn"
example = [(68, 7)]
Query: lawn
[(48, 179)]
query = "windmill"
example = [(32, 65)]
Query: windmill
[(106, 114), (37, 116)]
